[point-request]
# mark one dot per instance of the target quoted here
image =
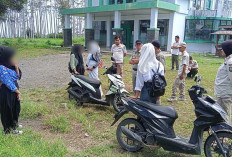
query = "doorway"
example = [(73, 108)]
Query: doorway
[(127, 33)]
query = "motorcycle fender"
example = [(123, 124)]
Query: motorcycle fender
[(124, 91), (119, 115), (222, 127)]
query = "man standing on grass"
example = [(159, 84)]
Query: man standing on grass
[(119, 52), (135, 61), (182, 74), (175, 53), (223, 82)]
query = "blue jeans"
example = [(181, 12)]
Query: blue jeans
[(145, 93)]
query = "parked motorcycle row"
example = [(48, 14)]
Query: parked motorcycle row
[(154, 123)]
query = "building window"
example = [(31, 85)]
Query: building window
[(119, 1), (100, 32), (200, 29), (111, 2), (129, 1)]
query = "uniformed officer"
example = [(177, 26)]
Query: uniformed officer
[(223, 82), (182, 74), (159, 56), (119, 52), (135, 61)]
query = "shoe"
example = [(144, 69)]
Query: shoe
[(17, 132), (171, 99), (182, 99), (172, 69)]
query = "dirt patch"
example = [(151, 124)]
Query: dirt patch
[(76, 140), (47, 72)]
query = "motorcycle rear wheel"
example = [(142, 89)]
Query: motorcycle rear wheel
[(124, 142), (211, 148)]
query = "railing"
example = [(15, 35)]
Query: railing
[(203, 13)]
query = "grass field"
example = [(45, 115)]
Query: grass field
[(60, 128), (38, 46)]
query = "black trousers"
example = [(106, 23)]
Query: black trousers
[(10, 109), (192, 73)]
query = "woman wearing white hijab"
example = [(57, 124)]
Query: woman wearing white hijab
[(93, 61), (148, 64)]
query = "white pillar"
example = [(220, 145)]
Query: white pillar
[(108, 32), (170, 31), (89, 20), (67, 21), (136, 31), (154, 18), (220, 8), (117, 19)]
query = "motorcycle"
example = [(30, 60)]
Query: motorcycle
[(154, 126), (86, 90)]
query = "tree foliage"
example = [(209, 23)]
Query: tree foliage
[(16, 5)]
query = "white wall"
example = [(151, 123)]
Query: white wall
[(201, 48), (95, 2), (176, 27), (184, 6)]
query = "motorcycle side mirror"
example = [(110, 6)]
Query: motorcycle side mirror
[(113, 59)]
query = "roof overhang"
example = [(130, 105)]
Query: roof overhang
[(120, 7)]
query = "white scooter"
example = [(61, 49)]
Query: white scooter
[(86, 90)]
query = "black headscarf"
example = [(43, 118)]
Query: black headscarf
[(227, 47), (6, 54), (76, 50)]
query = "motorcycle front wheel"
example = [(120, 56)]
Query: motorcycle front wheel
[(212, 149), (116, 102), (126, 143)]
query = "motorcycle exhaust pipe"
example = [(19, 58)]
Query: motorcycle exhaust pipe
[(131, 135), (74, 94)]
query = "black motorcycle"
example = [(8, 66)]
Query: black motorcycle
[(154, 126)]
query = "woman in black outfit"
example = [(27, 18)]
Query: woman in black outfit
[(76, 64), (10, 95)]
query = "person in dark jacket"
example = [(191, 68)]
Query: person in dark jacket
[(76, 60), (10, 95)]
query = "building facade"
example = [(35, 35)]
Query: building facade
[(192, 20)]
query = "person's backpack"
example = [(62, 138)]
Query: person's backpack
[(158, 84)]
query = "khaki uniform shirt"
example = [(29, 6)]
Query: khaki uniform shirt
[(223, 82), (160, 57), (118, 52), (135, 55), (184, 61)]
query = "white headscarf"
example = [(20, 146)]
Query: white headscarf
[(94, 48), (147, 59)]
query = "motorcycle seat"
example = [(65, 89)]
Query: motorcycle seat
[(94, 82), (162, 110)]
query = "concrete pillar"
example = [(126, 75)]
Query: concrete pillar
[(154, 18), (220, 8), (153, 31), (136, 31), (108, 33), (117, 19), (89, 31), (89, 20), (67, 32)]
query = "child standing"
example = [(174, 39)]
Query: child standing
[(182, 74)]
